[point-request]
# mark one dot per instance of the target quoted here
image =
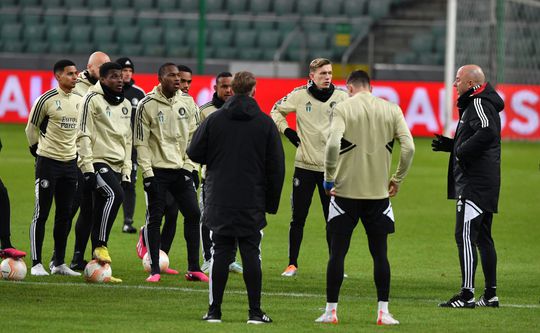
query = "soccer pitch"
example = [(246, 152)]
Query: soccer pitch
[(422, 254)]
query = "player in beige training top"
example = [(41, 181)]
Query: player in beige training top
[(357, 175), (312, 104), (51, 133), (105, 141), (90, 76), (165, 122)]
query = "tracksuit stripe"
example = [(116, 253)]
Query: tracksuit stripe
[(480, 111), (39, 106), (33, 247)]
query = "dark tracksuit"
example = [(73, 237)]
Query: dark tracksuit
[(242, 150), (474, 178)]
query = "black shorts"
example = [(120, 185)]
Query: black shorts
[(377, 216)]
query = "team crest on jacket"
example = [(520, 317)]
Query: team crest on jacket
[(58, 105), (182, 112), (44, 183), (160, 117), (124, 110), (108, 111), (308, 107)]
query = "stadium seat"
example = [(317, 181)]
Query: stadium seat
[(422, 43), (268, 54), (142, 4), (153, 50), (167, 5), (245, 38), (405, 58), (151, 36), (287, 24), (307, 7), (33, 32), (70, 3), (440, 44), (132, 50), (269, 39), (109, 48), (217, 24), (99, 17), (171, 23), (76, 17), (11, 32), (225, 53), (361, 26), (294, 54), (123, 17), (177, 51), (83, 48), (56, 34), (80, 34), (311, 25), (430, 59), (378, 9), (8, 3), (28, 3), (99, 3), (37, 47), (354, 8), (240, 23), (321, 53), (120, 4), (331, 8), (214, 6), (60, 48), (250, 53), (264, 22), (103, 34), (259, 6), (317, 40), (9, 15), (236, 6), (12, 46), (283, 7), (127, 34), (190, 6), (53, 16), (221, 38), (31, 15), (174, 36), (192, 36), (147, 18)]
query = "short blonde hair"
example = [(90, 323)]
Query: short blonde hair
[(243, 83), (318, 63)]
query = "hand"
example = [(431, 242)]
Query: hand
[(329, 188), (196, 180), (292, 136), (90, 180), (150, 184), (442, 143), (33, 149), (393, 188)]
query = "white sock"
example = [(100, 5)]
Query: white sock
[(330, 307), (383, 306)]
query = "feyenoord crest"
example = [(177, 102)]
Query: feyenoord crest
[(332, 104), (308, 107), (160, 117), (296, 182), (108, 111), (134, 101), (182, 112), (103, 170), (44, 183), (58, 105), (124, 110)]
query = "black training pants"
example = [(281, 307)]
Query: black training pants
[(5, 241)]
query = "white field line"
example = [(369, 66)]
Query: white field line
[(238, 292)]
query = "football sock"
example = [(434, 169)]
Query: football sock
[(382, 306), (490, 292), (467, 293), (330, 307)]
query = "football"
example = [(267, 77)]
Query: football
[(97, 272), (13, 269), (163, 261)]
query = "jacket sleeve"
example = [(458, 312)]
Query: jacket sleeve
[(275, 170), (281, 109), (142, 135), (337, 128), (37, 114), (482, 122), (198, 147), (85, 135), (126, 167), (406, 145), (189, 164)]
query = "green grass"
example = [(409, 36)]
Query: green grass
[(422, 253)]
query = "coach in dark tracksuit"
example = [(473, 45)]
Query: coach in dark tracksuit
[(242, 150), (474, 179)]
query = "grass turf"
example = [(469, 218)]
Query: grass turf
[(422, 253)]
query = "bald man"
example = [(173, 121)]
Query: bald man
[(474, 179), (90, 76)]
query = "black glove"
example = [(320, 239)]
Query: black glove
[(292, 136), (442, 143), (125, 185), (150, 184), (196, 180), (33, 149), (90, 180)]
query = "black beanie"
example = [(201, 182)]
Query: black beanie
[(125, 62)]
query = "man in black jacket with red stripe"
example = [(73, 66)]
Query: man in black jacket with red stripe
[(474, 179), (241, 148)]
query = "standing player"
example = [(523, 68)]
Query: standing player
[(83, 198), (474, 179), (312, 104), (51, 132), (165, 122), (6, 249), (133, 94), (105, 149), (357, 166), (222, 92), (242, 150)]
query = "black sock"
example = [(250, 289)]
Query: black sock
[(490, 292), (467, 294)]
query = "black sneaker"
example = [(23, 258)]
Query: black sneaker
[(212, 316), (258, 318), (129, 229), (459, 301), (78, 265), (493, 302)]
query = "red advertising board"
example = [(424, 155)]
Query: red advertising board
[(422, 102)]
